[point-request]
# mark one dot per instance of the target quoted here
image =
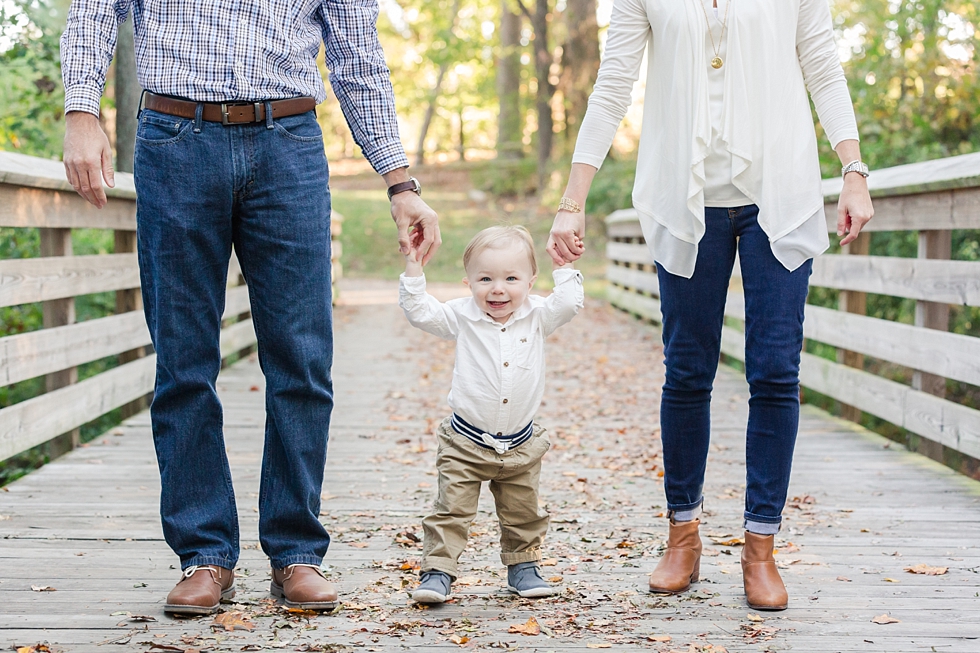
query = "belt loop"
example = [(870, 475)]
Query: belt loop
[(268, 114), (198, 117), (139, 106)]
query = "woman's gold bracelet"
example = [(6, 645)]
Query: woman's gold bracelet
[(570, 205)]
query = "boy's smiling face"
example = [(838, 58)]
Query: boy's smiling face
[(500, 279)]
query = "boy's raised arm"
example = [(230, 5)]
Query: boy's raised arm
[(422, 309), (566, 299)]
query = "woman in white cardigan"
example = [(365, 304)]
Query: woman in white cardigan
[(727, 163)]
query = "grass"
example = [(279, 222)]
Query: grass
[(369, 236)]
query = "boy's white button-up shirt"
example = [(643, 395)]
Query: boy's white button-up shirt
[(498, 378)]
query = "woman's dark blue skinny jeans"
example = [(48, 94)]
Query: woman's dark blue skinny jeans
[(693, 313)]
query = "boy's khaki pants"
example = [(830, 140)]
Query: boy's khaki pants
[(463, 466)]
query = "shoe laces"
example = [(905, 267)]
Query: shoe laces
[(289, 569), (190, 571)]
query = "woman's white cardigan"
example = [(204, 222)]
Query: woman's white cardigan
[(776, 51)]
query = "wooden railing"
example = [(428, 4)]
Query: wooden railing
[(35, 195), (933, 198)]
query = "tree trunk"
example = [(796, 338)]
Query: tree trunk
[(509, 121), (127, 96), (430, 111), (580, 63), (546, 90)]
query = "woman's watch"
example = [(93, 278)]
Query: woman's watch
[(857, 166), (411, 185)]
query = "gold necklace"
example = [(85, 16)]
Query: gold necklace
[(717, 61)]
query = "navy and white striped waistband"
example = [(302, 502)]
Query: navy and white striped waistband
[(499, 443)]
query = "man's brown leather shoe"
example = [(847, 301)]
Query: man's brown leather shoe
[(681, 564), (764, 589), (304, 587), (200, 590)]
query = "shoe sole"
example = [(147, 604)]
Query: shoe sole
[(428, 596), (319, 606), (196, 610), (538, 593), (768, 608)]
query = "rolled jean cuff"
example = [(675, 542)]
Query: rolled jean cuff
[(685, 512), (208, 561), (531, 555), (445, 565), (282, 563), (761, 525)]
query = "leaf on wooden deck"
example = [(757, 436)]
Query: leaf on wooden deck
[(927, 570), (844, 579), (891, 580), (598, 645), (34, 648), (883, 619), (359, 545), (230, 621), (531, 627), (734, 541), (754, 617), (42, 588), (457, 639), (658, 638)]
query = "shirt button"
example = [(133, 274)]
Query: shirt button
[(506, 364), (505, 401), (504, 329), (500, 433)]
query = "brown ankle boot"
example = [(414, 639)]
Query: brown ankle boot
[(764, 589), (303, 586), (200, 590), (681, 564)]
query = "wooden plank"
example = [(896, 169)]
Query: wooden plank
[(634, 278), (952, 172), (952, 282), (647, 307), (931, 314), (946, 422), (945, 354), (236, 302), (236, 337), (37, 420), (26, 355), (946, 209), (23, 281), (624, 223), (629, 253), (33, 207), (22, 170)]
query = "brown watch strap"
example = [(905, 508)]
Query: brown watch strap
[(403, 186), (228, 113)]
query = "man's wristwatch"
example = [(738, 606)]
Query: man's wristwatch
[(411, 185), (855, 166)]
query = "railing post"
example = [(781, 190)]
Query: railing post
[(854, 302), (933, 244), (126, 301), (59, 312)]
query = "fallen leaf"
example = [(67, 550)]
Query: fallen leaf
[(885, 619), (43, 588), (891, 580), (549, 562), (531, 627), (556, 579), (754, 617), (658, 638), (735, 541), (927, 570), (456, 639), (469, 580), (360, 545), (254, 388), (844, 579), (231, 620), (598, 645)]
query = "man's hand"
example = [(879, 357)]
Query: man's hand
[(88, 157), (565, 241)]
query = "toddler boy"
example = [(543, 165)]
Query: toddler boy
[(498, 382)]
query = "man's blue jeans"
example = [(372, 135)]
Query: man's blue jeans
[(203, 187), (693, 313)]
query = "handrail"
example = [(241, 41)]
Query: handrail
[(933, 198), (34, 194)]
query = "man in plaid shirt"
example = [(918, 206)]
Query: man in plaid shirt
[(229, 153)]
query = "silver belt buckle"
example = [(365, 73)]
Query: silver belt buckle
[(224, 114)]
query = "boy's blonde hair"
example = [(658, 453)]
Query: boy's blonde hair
[(497, 237)]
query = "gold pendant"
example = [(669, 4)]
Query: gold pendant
[(717, 63)]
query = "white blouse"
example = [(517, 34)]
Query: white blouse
[(498, 377), (745, 129)]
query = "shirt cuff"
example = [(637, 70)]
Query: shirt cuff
[(564, 275), (83, 97), (412, 285), (386, 156)]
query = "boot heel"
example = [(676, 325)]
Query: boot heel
[(696, 574)]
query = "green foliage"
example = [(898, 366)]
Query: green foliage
[(507, 178), (31, 91), (612, 188)]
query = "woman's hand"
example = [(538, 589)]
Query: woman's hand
[(854, 207), (565, 243)]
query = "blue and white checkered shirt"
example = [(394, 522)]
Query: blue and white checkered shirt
[(228, 51)]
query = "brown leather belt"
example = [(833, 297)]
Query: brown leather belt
[(228, 113)]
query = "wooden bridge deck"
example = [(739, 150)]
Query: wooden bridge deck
[(83, 566)]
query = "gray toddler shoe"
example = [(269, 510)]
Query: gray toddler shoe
[(524, 579), (434, 587)]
